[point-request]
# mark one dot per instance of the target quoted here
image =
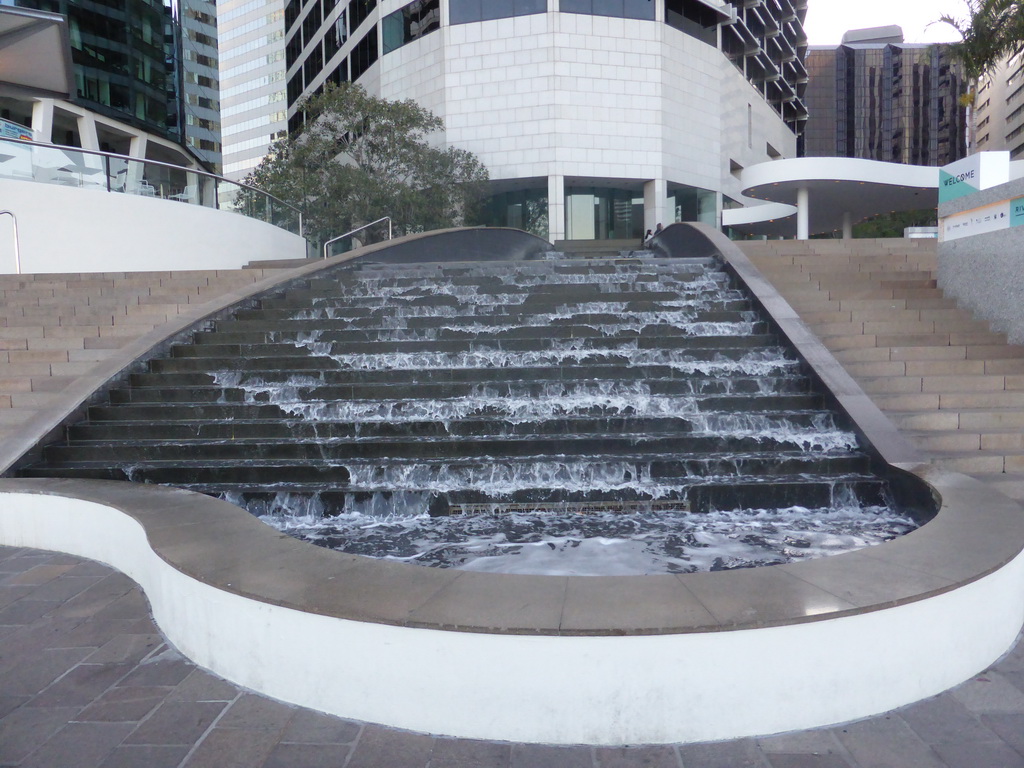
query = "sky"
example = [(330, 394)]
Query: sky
[(827, 20)]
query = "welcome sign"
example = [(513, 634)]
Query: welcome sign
[(972, 174)]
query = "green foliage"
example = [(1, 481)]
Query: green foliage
[(893, 224), (992, 30), (360, 158)]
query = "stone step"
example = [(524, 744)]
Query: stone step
[(972, 462), (863, 355), (975, 400), (907, 402), (590, 345)]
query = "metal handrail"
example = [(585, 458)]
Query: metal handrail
[(112, 155), (358, 229), (17, 248)]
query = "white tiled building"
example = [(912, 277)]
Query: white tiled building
[(596, 118), (252, 82)]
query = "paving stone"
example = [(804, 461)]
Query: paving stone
[(10, 703), (40, 574), (543, 756), (10, 595), (944, 718), (82, 745), (234, 748), (817, 742), (80, 685), (635, 757), (61, 589), (742, 753), (176, 722), (128, 606), (127, 756), (91, 632), (467, 753), (165, 670), (1011, 662), (309, 727), (257, 713), (808, 761), (886, 741), (29, 675), (92, 600), (26, 729), (26, 611), (1008, 727), (379, 747), (125, 648), (202, 686), (990, 693), (315, 756), (123, 705), (998, 755)]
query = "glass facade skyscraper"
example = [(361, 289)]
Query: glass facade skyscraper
[(893, 102)]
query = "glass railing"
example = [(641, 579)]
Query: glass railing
[(88, 169)]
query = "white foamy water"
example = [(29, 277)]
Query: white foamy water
[(602, 544), (384, 509)]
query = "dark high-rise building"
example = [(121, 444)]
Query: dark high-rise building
[(139, 62), (878, 98), (122, 59)]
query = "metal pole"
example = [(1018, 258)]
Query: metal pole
[(17, 248)]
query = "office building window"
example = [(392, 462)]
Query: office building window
[(364, 54), (335, 37), (627, 9), (694, 18), (465, 11), (410, 23), (358, 10)]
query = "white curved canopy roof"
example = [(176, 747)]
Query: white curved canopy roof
[(35, 53), (835, 186)]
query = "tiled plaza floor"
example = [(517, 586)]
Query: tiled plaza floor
[(87, 681)]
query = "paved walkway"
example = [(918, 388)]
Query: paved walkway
[(87, 681)]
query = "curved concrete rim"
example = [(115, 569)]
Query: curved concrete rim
[(497, 656)]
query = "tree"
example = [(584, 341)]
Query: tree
[(360, 158), (992, 30)]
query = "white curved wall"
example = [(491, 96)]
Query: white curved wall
[(67, 229), (567, 690)]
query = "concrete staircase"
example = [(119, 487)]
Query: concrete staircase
[(53, 327), (951, 384)]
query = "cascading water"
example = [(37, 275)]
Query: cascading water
[(550, 416)]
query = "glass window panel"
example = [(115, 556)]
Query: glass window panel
[(392, 31), (638, 9), (489, 9), (576, 6), (463, 11), (607, 8)]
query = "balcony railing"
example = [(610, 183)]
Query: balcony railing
[(89, 169)]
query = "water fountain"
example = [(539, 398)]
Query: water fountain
[(636, 415), (533, 392)]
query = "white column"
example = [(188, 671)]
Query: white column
[(42, 120), (87, 132), (802, 214), (847, 226), (656, 204), (556, 208), (138, 147)]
